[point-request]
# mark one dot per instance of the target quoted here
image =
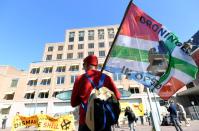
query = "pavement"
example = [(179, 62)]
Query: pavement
[(194, 126)]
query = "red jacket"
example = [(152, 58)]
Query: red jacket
[(82, 89)]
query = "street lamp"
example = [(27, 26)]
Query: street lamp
[(193, 104)]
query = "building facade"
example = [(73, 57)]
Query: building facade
[(36, 90)]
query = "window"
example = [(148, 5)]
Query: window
[(61, 69), (91, 53), (50, 48), (100, 66), (49, 57), (70, 56), (117, 76), (48, 70), (60, 48), (80, 55), (71, 36), (110, 44), (134, 90), (70, 47), (46, 81), (67, 94), (32, 82), (35, 71), (73, 77), (101, 44), (59, 56), (60, 80), (91, 45), (74, 68), (43, 94), (101, 53), (100, 34), (80, 46), (14, 82), (29, 95), (81, 35), (124, 93), (111, 33), (91, 35), (9, 96)]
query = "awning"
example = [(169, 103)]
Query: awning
[(134, 85), (30, 91), (45, 78), (48, 66), (190, 91), (32, 79), (4, 106), (58, 90), (120, 86), (43, 91), (9, 93)]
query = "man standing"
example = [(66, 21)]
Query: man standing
[(183, 114), (4, 122), (82, 88), (173, 115)]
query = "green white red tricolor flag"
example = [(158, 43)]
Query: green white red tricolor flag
[(137, 37)]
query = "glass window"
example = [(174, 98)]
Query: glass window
[(80, 55), (32, 82), (59, 56), (60, 48), (60, 80), (29, 95), (49, 57), (71, 36), (74, 68), (111, 33), (124, 93), (100, 34), (134, 90), (80, 46), (81, 35), (46, 81), (90, 45), (43, 94), (70, 56), (35, 71), (91, 35), (101, 53), (50, 48), (14, 82), (61, 69), (117, 76), (101, 44), (73, 77), (91, 53), (70, 47), (48, 70)]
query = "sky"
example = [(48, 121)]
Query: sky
[(27, 25)]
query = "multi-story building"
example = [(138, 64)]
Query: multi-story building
[(35, 90)]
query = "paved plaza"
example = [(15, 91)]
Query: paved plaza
[(194, 127)]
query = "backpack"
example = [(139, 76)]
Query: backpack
[(102, 108)]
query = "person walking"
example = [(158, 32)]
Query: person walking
[(173, 115), (4, 122), (131, 118), (182, 114), (82, 89)]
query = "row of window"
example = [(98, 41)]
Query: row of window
[(59, 81), (80, 55), (91, 34), (46, 95), (80, 46)]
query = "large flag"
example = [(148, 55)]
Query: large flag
[(147, 52)]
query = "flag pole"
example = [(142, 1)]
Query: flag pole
[(155, 123), (116, 36)]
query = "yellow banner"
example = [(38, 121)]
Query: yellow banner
[(44, 122), (138, 109)]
